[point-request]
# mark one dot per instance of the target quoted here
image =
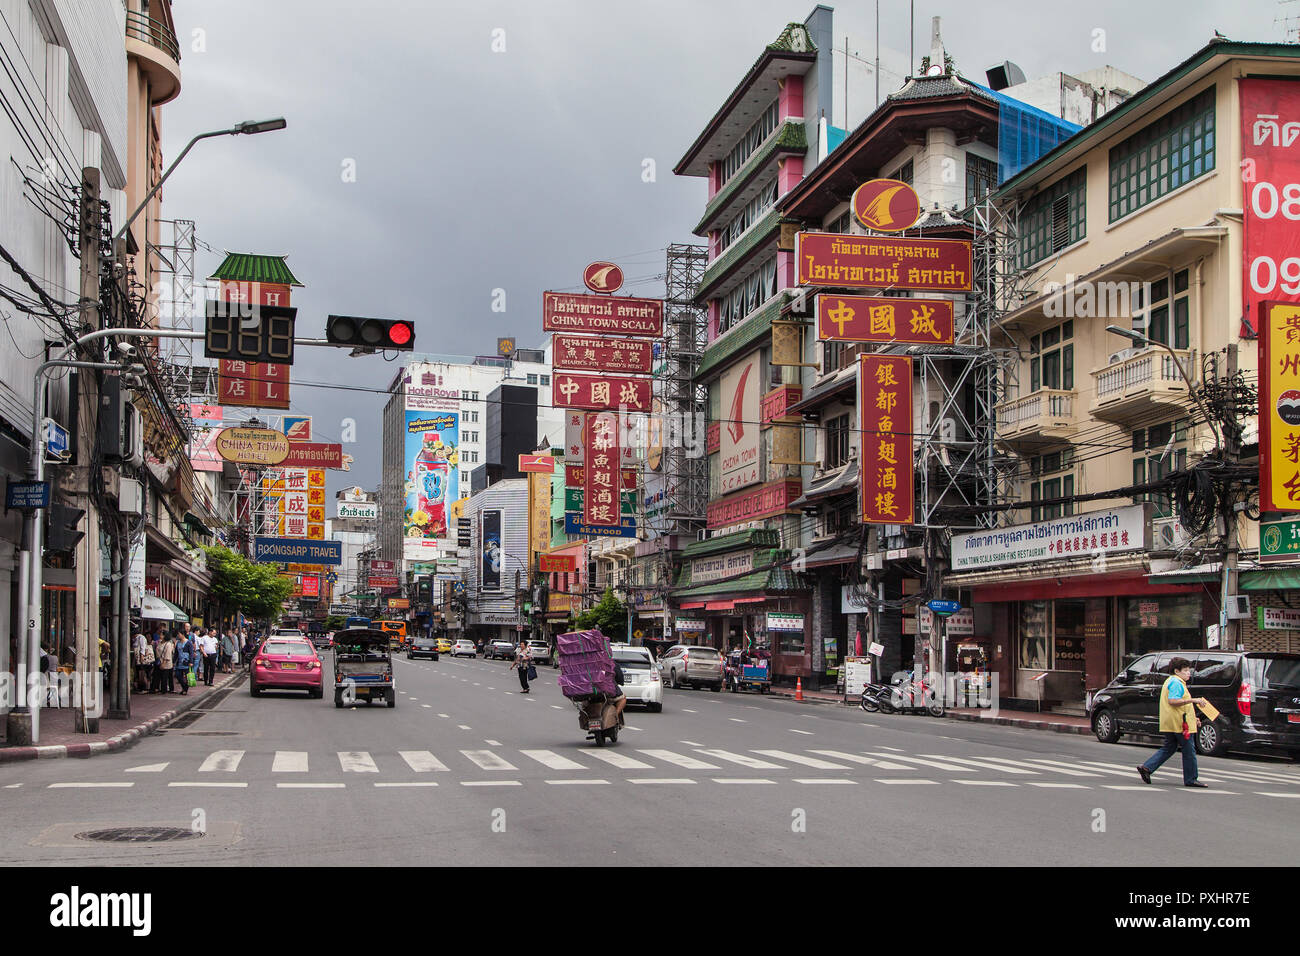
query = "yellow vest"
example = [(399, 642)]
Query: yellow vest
[(1171, 717)]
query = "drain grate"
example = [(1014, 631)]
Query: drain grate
[(139, 835), (184, 720)]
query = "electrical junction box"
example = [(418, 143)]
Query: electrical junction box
[(130, 497)]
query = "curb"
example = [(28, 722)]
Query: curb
[(1023, 723), (122, 741)]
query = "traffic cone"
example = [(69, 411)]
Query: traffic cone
[(798, 688)]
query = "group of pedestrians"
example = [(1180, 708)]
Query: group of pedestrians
[(172, 660)]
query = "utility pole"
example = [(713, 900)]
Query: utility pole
[(1229, 629), (119, 705)]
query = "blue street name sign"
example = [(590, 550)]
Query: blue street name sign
[(56, 439), (944, 607), (28, 495), (297, 550)]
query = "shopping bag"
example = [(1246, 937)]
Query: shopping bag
[(532, 672), (189, 679)]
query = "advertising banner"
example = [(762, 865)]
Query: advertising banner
[(574, 497), (537, 464), (1270, 172), (870, 318), (885, 411), (602, 314), (252, 384), (1113, 531), (557, 563), (283, 550), (252, 446), (722, 566), (584, 353), (1279, 406), (600, 487), (778, 621), (740, 438), (539, 513), (762, 502), (364, 510), (600, 393), (492, 557), (310, 586), (884, 262), (314, 454), (432, 473), (577, 439)]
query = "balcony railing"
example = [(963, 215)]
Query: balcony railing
[(1151, 369), (154, 32), (1045, 410)]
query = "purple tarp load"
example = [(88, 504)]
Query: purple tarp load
[(586, 666)]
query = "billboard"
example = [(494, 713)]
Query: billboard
[(885, 411), (601, 478), (600, 393), (740, 441), (602, 314), (884, 262), (1270, 168), (432, 474), (493, 556), (1279, 406), (587, 353)]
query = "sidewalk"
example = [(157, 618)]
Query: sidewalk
[(1059, 723), (148, 713)]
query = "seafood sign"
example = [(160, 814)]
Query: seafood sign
[(432, 472)]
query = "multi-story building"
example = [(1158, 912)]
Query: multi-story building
[(1142, 221), (497, 574)]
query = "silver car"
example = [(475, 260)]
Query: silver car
[(641, 681), (692, 664)]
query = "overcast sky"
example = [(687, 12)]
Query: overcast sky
[(478, 170)]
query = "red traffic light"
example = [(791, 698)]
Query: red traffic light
[(370, 335), (400, 333)]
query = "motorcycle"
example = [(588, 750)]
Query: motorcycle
[(876, 698), (910, 696), (600, 718)]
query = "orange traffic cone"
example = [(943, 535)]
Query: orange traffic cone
[(798, 688)]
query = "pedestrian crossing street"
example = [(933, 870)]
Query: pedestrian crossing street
[(695, 764)]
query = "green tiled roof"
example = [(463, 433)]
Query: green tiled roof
[(785, 42), (789, 138), (743, 336), (247, 267), (752, 537), (758, 233), (773, 577)]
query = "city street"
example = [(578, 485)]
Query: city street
[(466, 770)]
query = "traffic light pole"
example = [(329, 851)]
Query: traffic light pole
[(23, 721)]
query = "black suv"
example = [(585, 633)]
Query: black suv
[(422, 646), (1257, 696)]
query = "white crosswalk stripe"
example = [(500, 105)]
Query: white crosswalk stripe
[(621, 761), (985, 765), (421, 761), (487, 760), (752, 762), (817, 763), (357, 761), (149, 768), (548, 758), (868, 761), (222, 760), (937, 764), (681, 760), (1072, 770), (289, 761)]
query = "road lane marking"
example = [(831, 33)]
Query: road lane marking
[(984, 764), (897, 750), (444, 715), (407, 783), (937, 764), (311, 786), (824, 780), (89, 786), (661, 779), (1141, 789), (490, 783), (427, 705), (752, 762), (12, 786), (621, 761), (1058, 786), (1287, 796), (687, 710), (1071, 770), (580, 782), (902, 780), (690, 743), (492, 743), (487, 760), (815, 762), (743, 780), (806, 733), (737, 720), (421, 761), (175, 783), (221, 760), (464, 726), (987, 783), (869, 761), (548, 758), (357, 761), (148, 768), (556, 707), (681, 760), (289, 761)]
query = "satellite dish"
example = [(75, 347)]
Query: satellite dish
[(935, 70)]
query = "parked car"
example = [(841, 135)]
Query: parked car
[(1256, 693), (641, 681), (692, 664), (499, 649), (541, 652), (421, 646), (288, 664), (464, 648)]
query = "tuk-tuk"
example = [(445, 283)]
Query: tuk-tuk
[(363, 669)]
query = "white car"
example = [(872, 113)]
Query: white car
[(464, 648), (642, 683)]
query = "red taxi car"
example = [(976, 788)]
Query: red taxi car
[(286, 663)]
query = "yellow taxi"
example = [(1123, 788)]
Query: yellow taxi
[(444, 645)]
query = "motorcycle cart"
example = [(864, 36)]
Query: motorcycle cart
[(599, 718), (749, 674)]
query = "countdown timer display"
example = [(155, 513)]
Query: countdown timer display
[(257, 333)]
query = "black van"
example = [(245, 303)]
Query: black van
[(1257, 696)]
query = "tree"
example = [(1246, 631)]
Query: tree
[(335, 622), (240, 585), (610, 615)]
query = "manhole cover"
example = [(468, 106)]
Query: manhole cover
[(139, 835)]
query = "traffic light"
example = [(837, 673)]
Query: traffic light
[(370, 334), (61, 534)]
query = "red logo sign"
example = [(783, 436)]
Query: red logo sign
[(884, 262), (602, 314), (587, 353), (384, 567), (556, 563), (310, 586), (885, 463), (600, 392), (869, 318), (886, 205), (537, 464), (603, 277)]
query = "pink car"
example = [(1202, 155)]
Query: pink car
[(286, 663)]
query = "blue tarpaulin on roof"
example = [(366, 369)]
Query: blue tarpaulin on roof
[(834, 136), (1025, 133)]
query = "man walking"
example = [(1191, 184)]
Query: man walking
[(209, 645), (1177, 723), (167, 663)]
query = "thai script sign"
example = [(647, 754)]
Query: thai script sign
[(1270, 172), (602, 314), (1087, 535), (252, 446), (587, 353), (880, 262), (719, 567)]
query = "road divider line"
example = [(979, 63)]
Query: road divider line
[(1141, 789), (663, 780), (81, 785), (582, 782), (490, 783), (903, 780), (1058, 786), (310, 786), (1285, 796), (987, 783), (743, 780), (408, 783), (178, 783), (824, 780), (806, 733)]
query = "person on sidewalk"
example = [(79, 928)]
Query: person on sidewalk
[(227, 650), (1177, 723), (138, 644), (523, 660), (208, 646), (167, 663), (184, 661), (155, 673)]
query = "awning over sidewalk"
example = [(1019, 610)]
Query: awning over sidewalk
[(1270, 579), (159, 609)]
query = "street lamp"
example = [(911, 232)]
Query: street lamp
[(1141, 339), (247, 128)]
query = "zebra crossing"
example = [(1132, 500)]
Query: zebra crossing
[(501, 766)]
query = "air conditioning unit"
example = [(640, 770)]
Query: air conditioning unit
[(1168, 535), (1238, 607), (1121, 355)]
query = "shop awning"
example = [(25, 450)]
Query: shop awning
[(160, 609), (691, 605), (1200, 574), (750, 600), (719, 605), (839, 554), (1270, 579)]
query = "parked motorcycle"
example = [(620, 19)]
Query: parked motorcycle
[(876, 698), (911, 696)]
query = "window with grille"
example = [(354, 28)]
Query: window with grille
[(1167, 154), (750, 213), (1054, 219), (753, 291), (981, 178), (837, 441), (903, 174), (1051, 476)]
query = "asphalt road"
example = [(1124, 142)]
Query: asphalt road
[(467, 771)]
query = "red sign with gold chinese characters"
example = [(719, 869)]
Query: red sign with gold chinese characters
[(575, 476), (600, 392), (590, 353), (556, 563), (600, 503), (872, 318), (1279, 406), (885, 464), (253, 384), (884, 262)]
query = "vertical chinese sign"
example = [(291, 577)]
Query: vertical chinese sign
[(1279, 406), (293, 502), (253, 384), (885, 413), (601, 475)]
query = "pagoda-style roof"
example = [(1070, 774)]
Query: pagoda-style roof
[(248, 267)]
